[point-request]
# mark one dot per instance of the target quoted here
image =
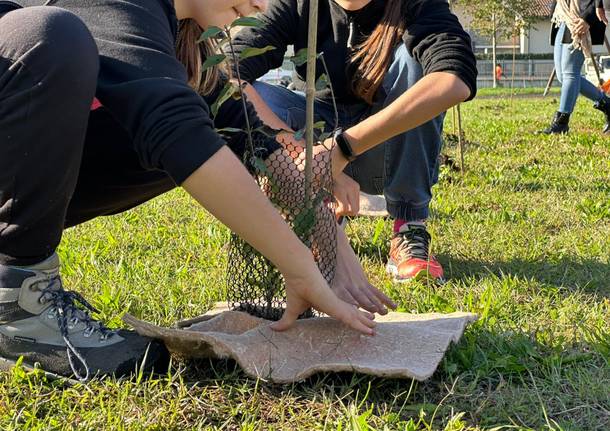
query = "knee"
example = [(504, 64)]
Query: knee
[(404, 71), (53, 41), (560, 78)]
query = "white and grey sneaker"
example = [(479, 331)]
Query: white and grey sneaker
[(49, 326)]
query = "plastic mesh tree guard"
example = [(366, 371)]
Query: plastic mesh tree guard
[(254, 284)]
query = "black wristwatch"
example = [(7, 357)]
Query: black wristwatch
[(344, 145)]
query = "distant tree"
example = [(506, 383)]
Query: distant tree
[(494, 18)]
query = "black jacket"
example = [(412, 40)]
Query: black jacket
[(433, 36), (143, 85), (588, 13)]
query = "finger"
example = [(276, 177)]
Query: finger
[(342, 210), (291, 314), (349, 315), (364, 301), (360, 322), (355, 201), (385, 299), (343, 294), (381, 309), (365, 320)]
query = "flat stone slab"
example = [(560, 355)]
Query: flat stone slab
[(405, 345), (372, 206)]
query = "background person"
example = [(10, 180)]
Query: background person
[(499, 75), (579, 24), (395, 67)]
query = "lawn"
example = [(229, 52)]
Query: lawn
[(524, 235), (506, 91)]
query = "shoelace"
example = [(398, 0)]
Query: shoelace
[(414, 242), (66, 310)]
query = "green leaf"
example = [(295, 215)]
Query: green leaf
[(262, 170), (320, 125), (300, 57), (322, 82), (229, 130), (269, 131), (260, 165), (209, 33), (213, 60), (299, 134), (253, 52), (305, 221), (247, 21), (228, 90)]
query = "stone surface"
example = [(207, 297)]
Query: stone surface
[(405, 345), (372, 205)]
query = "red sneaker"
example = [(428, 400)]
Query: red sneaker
[(410, 255)]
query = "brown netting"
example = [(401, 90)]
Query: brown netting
[(254, 284)]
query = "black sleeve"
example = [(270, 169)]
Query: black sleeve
[(145, 89), (590, 13), (436, 39), (280, 24)]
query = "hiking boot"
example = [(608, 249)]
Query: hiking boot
[(604, 106), (410, 255), (47, 325), (560, 124)]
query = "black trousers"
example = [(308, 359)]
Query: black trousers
[(60, 163)]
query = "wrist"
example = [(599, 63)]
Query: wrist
[(338, 161), (343, 142), (297, 262)]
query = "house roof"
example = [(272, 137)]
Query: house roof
[(541, 8)]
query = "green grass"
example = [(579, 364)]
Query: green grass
[(524, 236), (517, 91)]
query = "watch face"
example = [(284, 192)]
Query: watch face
[(345, 146)]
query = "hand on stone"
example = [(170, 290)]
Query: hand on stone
[(351, 283), (303, 292)]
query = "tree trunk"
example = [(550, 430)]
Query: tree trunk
[(310, 92), (494, 43)]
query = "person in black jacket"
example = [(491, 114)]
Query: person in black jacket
[(62, 163), (573, 36), (395, 66)]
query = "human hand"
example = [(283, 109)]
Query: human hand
[(601, 15), (309, 289), (347, 195), (351, 283), (581, 27)]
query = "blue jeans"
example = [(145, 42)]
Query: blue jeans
[(403, 168), (568, 64)]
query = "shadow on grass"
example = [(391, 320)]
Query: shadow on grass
[(586, 275)]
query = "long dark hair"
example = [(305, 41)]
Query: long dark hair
[(374, 55), (192, 55)]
